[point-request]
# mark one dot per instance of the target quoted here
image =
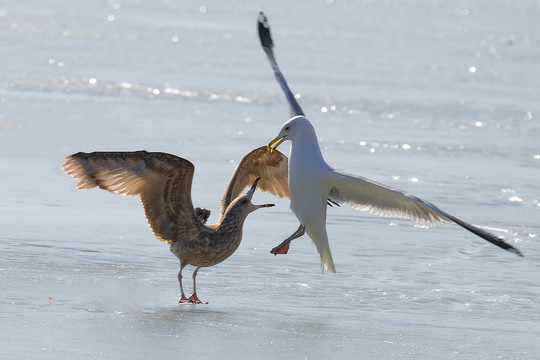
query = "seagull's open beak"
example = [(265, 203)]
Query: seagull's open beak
[(252, 191), (263, 206), (253, 187), (279, 140)]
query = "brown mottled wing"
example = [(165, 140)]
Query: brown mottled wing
[(271, 167), (163, 182)]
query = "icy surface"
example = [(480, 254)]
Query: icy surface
[(438, 98)]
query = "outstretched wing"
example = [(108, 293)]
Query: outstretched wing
[(267, 44), (163, 182), (380, 199), (271, 167)]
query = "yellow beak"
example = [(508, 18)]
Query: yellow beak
[(279, 140)]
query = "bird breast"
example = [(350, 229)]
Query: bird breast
[(308, 191), (207, 250)]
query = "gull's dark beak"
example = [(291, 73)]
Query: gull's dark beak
[(253, 187), (252, 191), (263, 206)]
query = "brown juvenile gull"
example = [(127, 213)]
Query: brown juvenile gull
[(163, 181), (313, 182)]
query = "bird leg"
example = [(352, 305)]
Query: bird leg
[(283, 248), (183, 297), (193, 297)]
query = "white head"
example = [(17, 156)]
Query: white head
[(294, 129)]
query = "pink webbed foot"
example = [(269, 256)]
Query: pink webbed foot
[(193, 299), (282, 248)]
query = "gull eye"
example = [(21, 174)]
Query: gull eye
[(287, 128)]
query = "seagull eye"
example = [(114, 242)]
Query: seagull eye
[(287, 128)]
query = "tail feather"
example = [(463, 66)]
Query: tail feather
[(327, 263), (320, 239)]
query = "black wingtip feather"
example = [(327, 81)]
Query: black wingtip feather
[(485, 235), (264, 32)]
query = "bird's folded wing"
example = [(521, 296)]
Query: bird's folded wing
[(364, 194), (271, 167), (163, 182)]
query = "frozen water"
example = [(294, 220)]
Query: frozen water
[(440, 99)]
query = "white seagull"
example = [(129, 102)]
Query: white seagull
[(312, 182)]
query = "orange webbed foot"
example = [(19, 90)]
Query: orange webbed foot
[(282, 248), (193, 299)]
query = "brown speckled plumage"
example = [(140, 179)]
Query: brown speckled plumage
[(163, 182)]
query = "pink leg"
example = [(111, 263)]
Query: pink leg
[(283, 248), (193, 297), (183, 297)]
